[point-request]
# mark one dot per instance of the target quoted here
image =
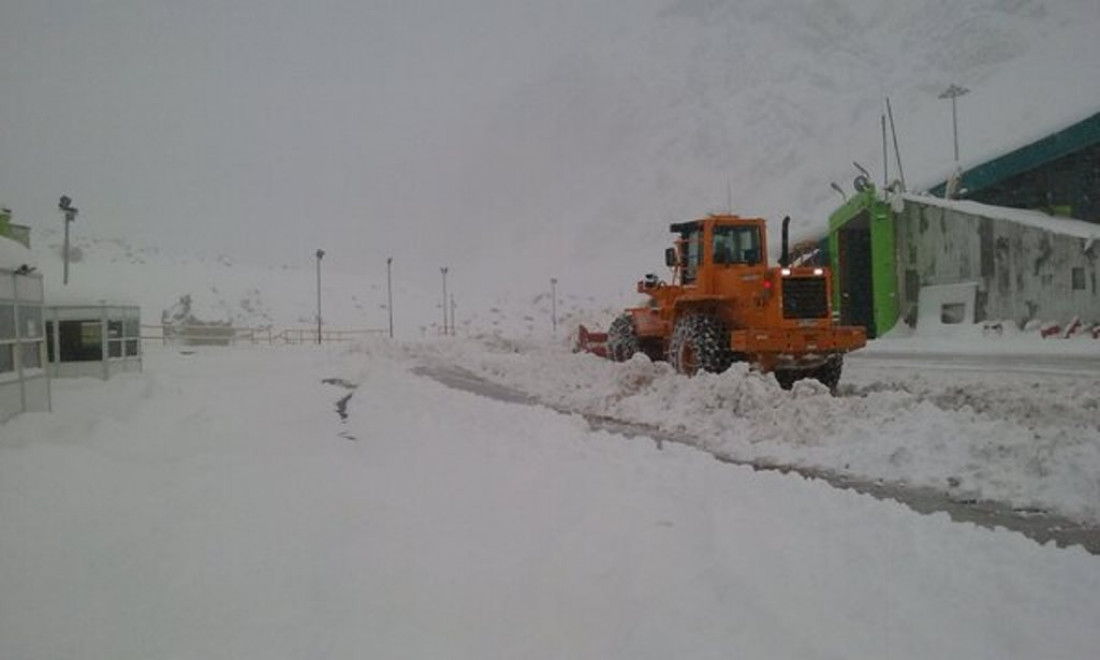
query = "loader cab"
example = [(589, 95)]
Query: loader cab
[(719, 243)]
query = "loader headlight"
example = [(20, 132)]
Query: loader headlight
[(819, 271), (785, 272)]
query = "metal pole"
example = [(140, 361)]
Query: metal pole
[(65, 259), (443, 270), (885, 156), (955, 126), (894, 133), (953, 92), (17, 347), (104, 341), (389, 291), (70, 211), (554, 304), (320, 255), (453, 314)]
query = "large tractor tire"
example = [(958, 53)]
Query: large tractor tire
[(788, 377), (622, 339), (827, 374), (699, 342)]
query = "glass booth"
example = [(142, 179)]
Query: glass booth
[(95, 341), (24, 383)]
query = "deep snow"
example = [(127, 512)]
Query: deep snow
[(1029, 438), (214, 506)]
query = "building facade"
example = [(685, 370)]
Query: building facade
[(1016, 241), (1019, 266), (24, 381)]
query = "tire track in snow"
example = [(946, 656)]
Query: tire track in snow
[(1037, 525)]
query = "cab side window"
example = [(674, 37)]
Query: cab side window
[(694, 247)]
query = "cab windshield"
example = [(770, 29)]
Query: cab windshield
[(736, 245)]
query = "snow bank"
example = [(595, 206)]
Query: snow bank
[(1027, 440)]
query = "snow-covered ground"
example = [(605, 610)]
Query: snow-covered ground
[(216, 506), (1029, 437)]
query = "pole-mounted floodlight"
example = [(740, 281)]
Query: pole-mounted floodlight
[(389, 291), (320, 254), (443, 270), (834, 186), (70, 211), (954, 92)]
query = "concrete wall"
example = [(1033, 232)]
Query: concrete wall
[(1023, 273)]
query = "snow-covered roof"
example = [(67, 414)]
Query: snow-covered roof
[(1040, 143), (1037, 219), (13, 255)]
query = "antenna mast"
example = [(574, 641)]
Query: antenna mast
[(885, 155), (897, 152)]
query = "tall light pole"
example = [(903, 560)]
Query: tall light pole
[(954, 92), (444, 270), (554, 304), (389, 291), (70, 211), (320, 255)]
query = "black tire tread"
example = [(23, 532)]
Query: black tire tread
[(622, 339), (708, 339)]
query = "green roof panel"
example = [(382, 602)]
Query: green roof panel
[(1079, 136)]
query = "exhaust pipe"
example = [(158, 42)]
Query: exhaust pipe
[(784, 253)]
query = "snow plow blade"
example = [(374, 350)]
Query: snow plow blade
[(591, 342)]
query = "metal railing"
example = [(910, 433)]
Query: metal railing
[(214, 335)]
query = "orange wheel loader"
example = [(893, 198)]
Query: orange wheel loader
[(725, 304)]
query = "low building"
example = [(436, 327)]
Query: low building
[(95, 341), (24, 382), (1058, 174), (891, 254), (1017, 238)]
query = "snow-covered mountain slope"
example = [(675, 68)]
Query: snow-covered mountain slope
[(222, 289), (524, 144), (774, 100), (115, 271)]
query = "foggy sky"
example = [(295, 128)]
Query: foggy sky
[(265, 129)]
